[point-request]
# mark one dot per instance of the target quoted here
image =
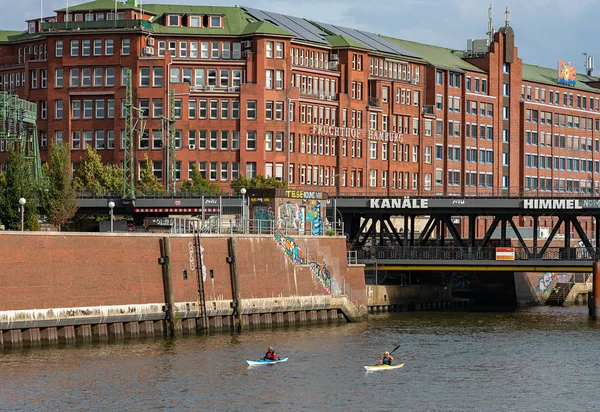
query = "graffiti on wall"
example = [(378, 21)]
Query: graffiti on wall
[(314, 217), (546, 279), (302, 220), (465, 281), (289, 217), (319, 270)]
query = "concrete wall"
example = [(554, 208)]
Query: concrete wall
[(395, 294)]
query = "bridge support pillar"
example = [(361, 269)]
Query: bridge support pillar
[(595, 301)]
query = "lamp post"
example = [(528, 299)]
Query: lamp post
[(22, 202), (111, 206), (243, 192)]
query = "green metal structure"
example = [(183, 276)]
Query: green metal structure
[(18, 125), (128, 143), (169, 124)]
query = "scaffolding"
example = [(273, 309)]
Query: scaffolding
[(18, 126)]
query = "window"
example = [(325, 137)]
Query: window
[(144, 76), (279, 111), (438, 77), (173, 20), (269, 49), (110, 76), (279, 50), (157, 76), (194, 21), (251, 110), (109, 47), (58, 78), (58, 48), (157, 108), (279, 79), (74, 78), (74, 48), (250, 141), (215, 21), (269, 79)]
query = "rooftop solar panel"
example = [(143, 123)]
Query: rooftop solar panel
[(371, 40), (299, 27)]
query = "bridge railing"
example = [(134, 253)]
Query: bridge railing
[(457, 253)]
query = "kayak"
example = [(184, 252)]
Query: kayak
[(266, 361), (383, 367)]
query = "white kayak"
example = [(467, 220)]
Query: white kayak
[(383, 367), (266, 361)]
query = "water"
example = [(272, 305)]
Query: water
[(543, 359)]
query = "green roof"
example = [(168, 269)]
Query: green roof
[(265, 27), (441, 57), (546, 75), (8, 35), (336, 40), (235, 19), (99, 5)]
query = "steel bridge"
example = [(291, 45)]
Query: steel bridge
[(439, 245)]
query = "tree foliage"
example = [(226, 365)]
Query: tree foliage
[(59, 198), (257, 182), (93, 177), (198, 185), (17, 182), (149, 184)]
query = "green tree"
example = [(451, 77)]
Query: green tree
[(149, 184), (257, 182), (58, 194), (198, 185), (17, 183), (95, 178)]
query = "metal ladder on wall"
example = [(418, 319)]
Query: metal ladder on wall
[(202, 322)]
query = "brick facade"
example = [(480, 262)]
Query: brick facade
[(248, 89)]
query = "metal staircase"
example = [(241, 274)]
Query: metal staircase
[(559, 293)]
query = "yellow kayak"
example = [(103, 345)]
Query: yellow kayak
[(383, 367)]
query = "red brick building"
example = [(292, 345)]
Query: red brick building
[(317, 105)]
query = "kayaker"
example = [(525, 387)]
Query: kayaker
[(386, 359), (271, 355)]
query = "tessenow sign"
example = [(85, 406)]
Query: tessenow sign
[(551, 204)]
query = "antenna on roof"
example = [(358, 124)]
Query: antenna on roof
[(490, 31), (589, 64), (507, 17)]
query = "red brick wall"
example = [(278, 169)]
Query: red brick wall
[(78, 270)]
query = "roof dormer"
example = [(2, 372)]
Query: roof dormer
[(173, 20), (215, 22)]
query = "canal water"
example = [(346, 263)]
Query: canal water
[(541, 359)]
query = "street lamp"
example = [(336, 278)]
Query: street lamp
[(243, 192), (111, 206), (22, 202)]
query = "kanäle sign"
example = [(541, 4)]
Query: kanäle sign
[(399, 203)]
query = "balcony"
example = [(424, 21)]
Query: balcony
[(96, 25), (331, 65), (374, 101), (319, 95), (214, 89)]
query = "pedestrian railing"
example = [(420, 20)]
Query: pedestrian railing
[(466, 253)]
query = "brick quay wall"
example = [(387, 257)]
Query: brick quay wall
[(70, 287)]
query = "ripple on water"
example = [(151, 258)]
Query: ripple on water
[(538, 359)]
